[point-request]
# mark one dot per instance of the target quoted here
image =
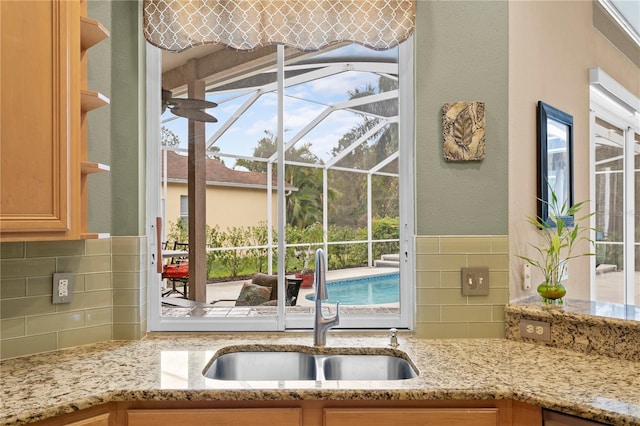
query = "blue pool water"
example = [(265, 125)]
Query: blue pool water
[(364, 291)]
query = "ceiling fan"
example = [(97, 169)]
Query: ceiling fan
[(188, 107)]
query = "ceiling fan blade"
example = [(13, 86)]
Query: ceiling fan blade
[(194, 114), (190, 103)]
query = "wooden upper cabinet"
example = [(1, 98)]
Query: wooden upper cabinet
[(41, 119)]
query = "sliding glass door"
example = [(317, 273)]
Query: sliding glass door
[(310, 150)]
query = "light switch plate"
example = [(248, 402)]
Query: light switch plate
[(475, 281)]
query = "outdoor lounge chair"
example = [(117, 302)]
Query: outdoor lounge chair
[(262, 290)]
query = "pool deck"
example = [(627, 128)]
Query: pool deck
[(230, 290)]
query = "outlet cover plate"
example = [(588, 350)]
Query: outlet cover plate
[(57, 277), (537, 330), (475, 281)]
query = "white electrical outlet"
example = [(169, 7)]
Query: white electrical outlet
[(62, 288), (526, 275)]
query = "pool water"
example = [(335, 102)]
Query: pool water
[(364, 291)]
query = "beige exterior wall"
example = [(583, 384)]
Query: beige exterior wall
[(226, 206), (552, 46)]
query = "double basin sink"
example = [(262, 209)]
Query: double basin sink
[(269, 363)]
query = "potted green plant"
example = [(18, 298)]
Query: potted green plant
[(558, 238), (306, 273), (313, 234)]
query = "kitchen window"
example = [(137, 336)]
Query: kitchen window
[(338, 122)]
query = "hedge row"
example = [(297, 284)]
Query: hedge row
[(232, 262)]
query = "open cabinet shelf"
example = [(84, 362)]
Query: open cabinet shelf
[(91, 100), (90, 167), (92, 32)]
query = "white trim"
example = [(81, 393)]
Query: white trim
[(153, 174), (407, 180), (619, 94), (281, 185), (629, 208), (620, 20), (283, 321)]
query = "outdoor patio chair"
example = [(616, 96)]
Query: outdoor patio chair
[(177, 271), (262, 290)]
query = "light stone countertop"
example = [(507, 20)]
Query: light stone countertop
[(168, 366)]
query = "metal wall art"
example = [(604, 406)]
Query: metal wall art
[(463, 127)]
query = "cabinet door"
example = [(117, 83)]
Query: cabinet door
[(210, 417), (39, 113), (101, 420), (410, 416)]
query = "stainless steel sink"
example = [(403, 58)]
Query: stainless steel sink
[(262, 366), (367, 367), (294, 365)]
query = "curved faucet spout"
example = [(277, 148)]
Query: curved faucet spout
[(322, 324)]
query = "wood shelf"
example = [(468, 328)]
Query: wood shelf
[(91, 100), (89, 167), (92, 32)]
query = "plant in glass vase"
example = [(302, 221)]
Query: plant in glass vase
[(559, 236)]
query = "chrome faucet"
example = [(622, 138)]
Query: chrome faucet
[(322, 324)]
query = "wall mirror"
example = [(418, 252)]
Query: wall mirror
[(555, 158)]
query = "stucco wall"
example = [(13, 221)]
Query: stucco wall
[(226, 207)]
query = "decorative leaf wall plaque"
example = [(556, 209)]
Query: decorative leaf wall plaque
[(463, 127)]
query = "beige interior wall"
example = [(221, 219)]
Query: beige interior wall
[(552, 45)]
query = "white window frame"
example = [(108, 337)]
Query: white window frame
[(281, 321), (614, 104), (184, 206)]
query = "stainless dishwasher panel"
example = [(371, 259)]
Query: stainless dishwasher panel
[(553, 418)]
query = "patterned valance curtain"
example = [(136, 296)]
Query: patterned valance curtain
[(176, 25)]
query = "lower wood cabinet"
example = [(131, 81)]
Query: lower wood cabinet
[(411, 416), (211, 417), (100, 420), (305, 413)]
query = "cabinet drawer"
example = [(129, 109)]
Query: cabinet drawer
[(223, 416), (410, 416)]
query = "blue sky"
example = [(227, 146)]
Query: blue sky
[(303, 103)]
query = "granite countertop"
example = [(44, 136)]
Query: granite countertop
[(168, 366)]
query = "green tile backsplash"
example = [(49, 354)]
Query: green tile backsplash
[(129, 287), (441, 309), (110, 291), (109, 297)]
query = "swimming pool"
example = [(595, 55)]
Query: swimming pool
[(364, 291)]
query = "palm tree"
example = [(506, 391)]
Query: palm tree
[(304, 205), (352, 203)]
